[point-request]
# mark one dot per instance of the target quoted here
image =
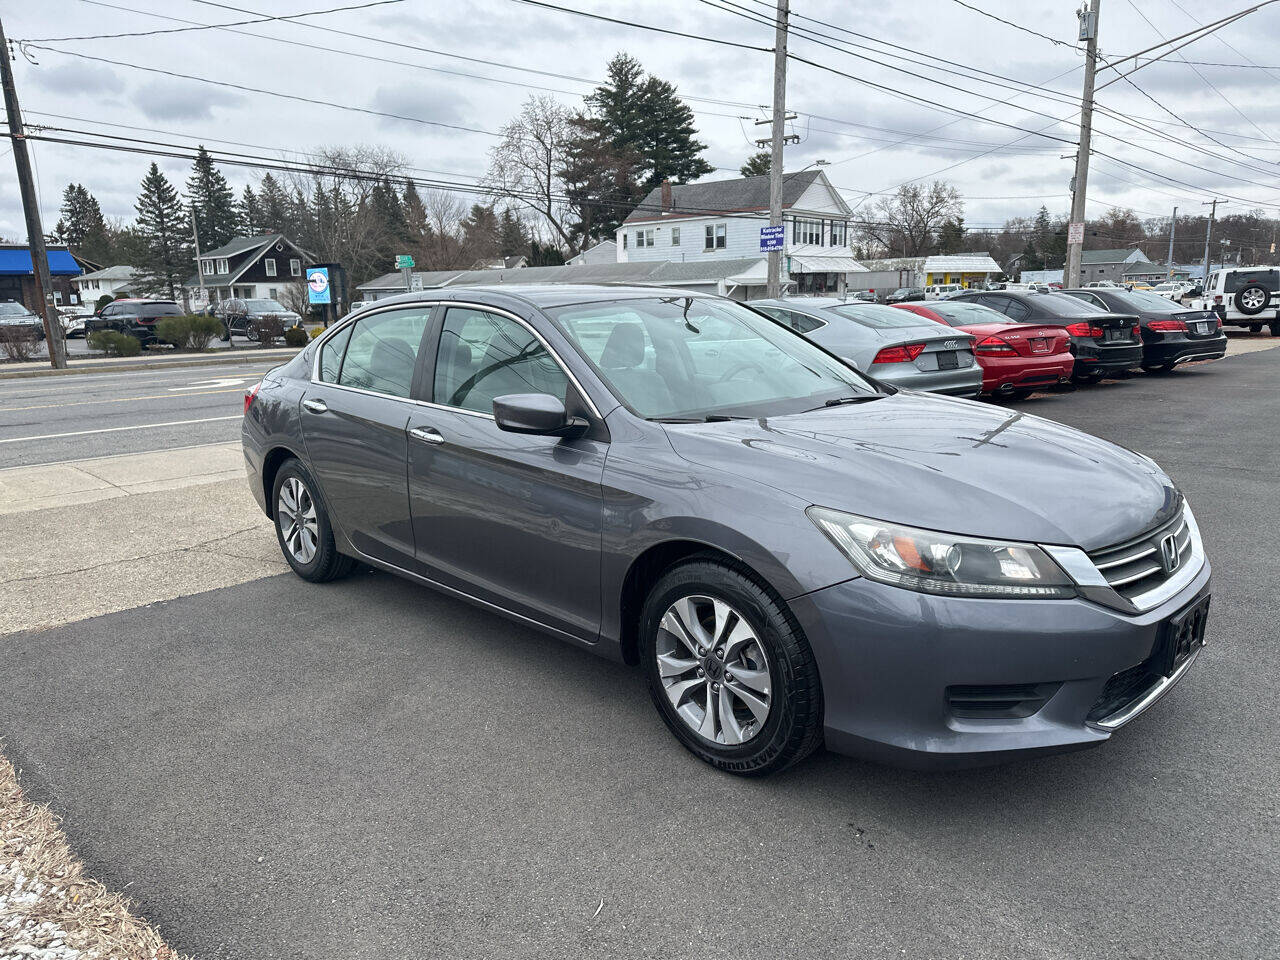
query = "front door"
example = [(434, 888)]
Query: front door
[(354, 420), (514, 520)]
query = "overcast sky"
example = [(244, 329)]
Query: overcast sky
[(865, 133)]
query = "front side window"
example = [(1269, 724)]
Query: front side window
[(716, 236), (383, 351), (689, 358), (486, 355), (269, 265)]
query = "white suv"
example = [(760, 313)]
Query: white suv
[(942, 291), (1244, 296)]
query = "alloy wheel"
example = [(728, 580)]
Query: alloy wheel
[(296, 516), (1253, 299), (714, 670)]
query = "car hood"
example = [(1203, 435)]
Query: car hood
[(945, 464)]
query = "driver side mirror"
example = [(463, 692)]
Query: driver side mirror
[(536, 413)]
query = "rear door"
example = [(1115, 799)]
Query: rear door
[(354, 416)]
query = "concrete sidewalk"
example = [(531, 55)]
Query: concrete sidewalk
[(41, 368)]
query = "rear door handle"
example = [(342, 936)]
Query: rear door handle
[(426, 434), (316, 406)]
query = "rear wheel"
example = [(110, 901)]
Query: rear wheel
[(302, 527), (1275, 328), (729, 670), (1255, 328)]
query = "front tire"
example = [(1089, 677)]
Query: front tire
[(302, 527), (729, 669)]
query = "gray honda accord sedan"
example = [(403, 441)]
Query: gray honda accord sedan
[(791, 552)]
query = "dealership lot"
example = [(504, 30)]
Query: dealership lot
[(276, 769)]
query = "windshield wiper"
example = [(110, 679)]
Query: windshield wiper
[(709, 418), (841, 401)]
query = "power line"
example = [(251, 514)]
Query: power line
[(644, 26), (1016, 26), (214, 26)]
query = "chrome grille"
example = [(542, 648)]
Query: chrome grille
[(1138, 565)]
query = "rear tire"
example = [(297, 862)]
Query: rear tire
[(302, 526), (1275, 328), (1255, 328), (751, 704)]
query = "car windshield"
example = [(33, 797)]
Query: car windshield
[(1148, 302), (13, 310), (958, 314), (878, 317), (1062, 305), (159, 310), (691, 358), (265, 306)]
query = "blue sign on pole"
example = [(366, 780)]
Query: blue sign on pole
[(318, 285), (772, 238)]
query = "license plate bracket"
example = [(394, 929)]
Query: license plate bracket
[(1117, 334), (948, 360), (1181, 635)]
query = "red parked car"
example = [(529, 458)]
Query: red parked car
[(1016, 358)]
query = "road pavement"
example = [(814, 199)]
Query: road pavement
[(370, 769), (50, 419)]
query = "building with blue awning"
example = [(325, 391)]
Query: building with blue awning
[(18, 280)]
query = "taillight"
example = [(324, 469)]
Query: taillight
[(899, 354), (992, 346), (1167, 326), (1083, 330), (1218, 298), (250, 394)]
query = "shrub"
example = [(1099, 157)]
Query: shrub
[(18, 343), (269, 330), (296, 337), (189, 332), (102, 302), (115, 344), (316, 332)]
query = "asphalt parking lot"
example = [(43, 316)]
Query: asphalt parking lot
[(369, 769)]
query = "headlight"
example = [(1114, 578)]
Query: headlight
[(943, 563)]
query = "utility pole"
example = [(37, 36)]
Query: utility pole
[(774, 288), (1080, 182), (1173, 225), (195, 236), (31, 207), (1208, 231)]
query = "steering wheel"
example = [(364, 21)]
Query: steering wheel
[(738, 368)]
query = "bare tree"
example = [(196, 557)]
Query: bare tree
[(440, 243), (906, 223), (525, 165)]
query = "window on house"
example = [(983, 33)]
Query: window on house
[(624, 241), (295, 268), (675, 236), (715, 236), (645, 238), (269, 265), (207, 267), (839, 233), (806, 231), (222, 266)]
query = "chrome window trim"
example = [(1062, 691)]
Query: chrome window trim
[(432, 304)]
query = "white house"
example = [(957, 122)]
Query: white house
[(118, 280), (722, 220), (606, 251)]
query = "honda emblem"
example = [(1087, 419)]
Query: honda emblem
[(1169, 558)]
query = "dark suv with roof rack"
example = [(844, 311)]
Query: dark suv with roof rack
[(134, 318)]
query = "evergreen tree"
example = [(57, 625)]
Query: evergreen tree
[(165, 233), (951, 236), (273, 205), (669, 147), (513, 240), (213, 203), (416, 220), (599, 181), (481, 233), (757, 164), (249, 213), (545, 255), (81, 225)]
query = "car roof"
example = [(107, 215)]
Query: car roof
[(541, 295)]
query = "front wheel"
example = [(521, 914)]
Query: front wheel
[(729, 669), (302, 527)]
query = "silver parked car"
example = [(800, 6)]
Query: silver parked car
[(894, 346)]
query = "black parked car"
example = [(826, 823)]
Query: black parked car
[(135, 318), (245, 316), (905, 295), (1103, 342), (14, 316), (1171, 334)]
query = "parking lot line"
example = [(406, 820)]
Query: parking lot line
[(154, 396), (139, 426)]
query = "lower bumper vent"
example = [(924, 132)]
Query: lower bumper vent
[(999, 701)]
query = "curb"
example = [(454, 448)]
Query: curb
[(246, 356)]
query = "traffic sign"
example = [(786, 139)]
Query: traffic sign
[(318, 285), (404, 262), (772, 238)]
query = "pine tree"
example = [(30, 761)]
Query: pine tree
[(951, 235), (481, 234), (512, 238), (757, 164), (249, 213), (165, 233), (213, 203), (669, 147), (273, 205), (81, 225)]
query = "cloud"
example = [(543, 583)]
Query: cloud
[(422, 101), (165, 100), (77, 79)]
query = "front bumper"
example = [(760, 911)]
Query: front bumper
[(890, 660)]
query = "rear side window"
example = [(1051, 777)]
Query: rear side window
[(1017, 310), (383, 351), (796, 321), (1239, 279), (159, 310), (331, 354), (880, 318)]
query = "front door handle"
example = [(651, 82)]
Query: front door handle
[(315, 406), (426, 434)]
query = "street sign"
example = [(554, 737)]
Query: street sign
[(318, 285), (404, 262), (772, 238), (1075, 233)]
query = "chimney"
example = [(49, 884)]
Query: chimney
[(666, 195)]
